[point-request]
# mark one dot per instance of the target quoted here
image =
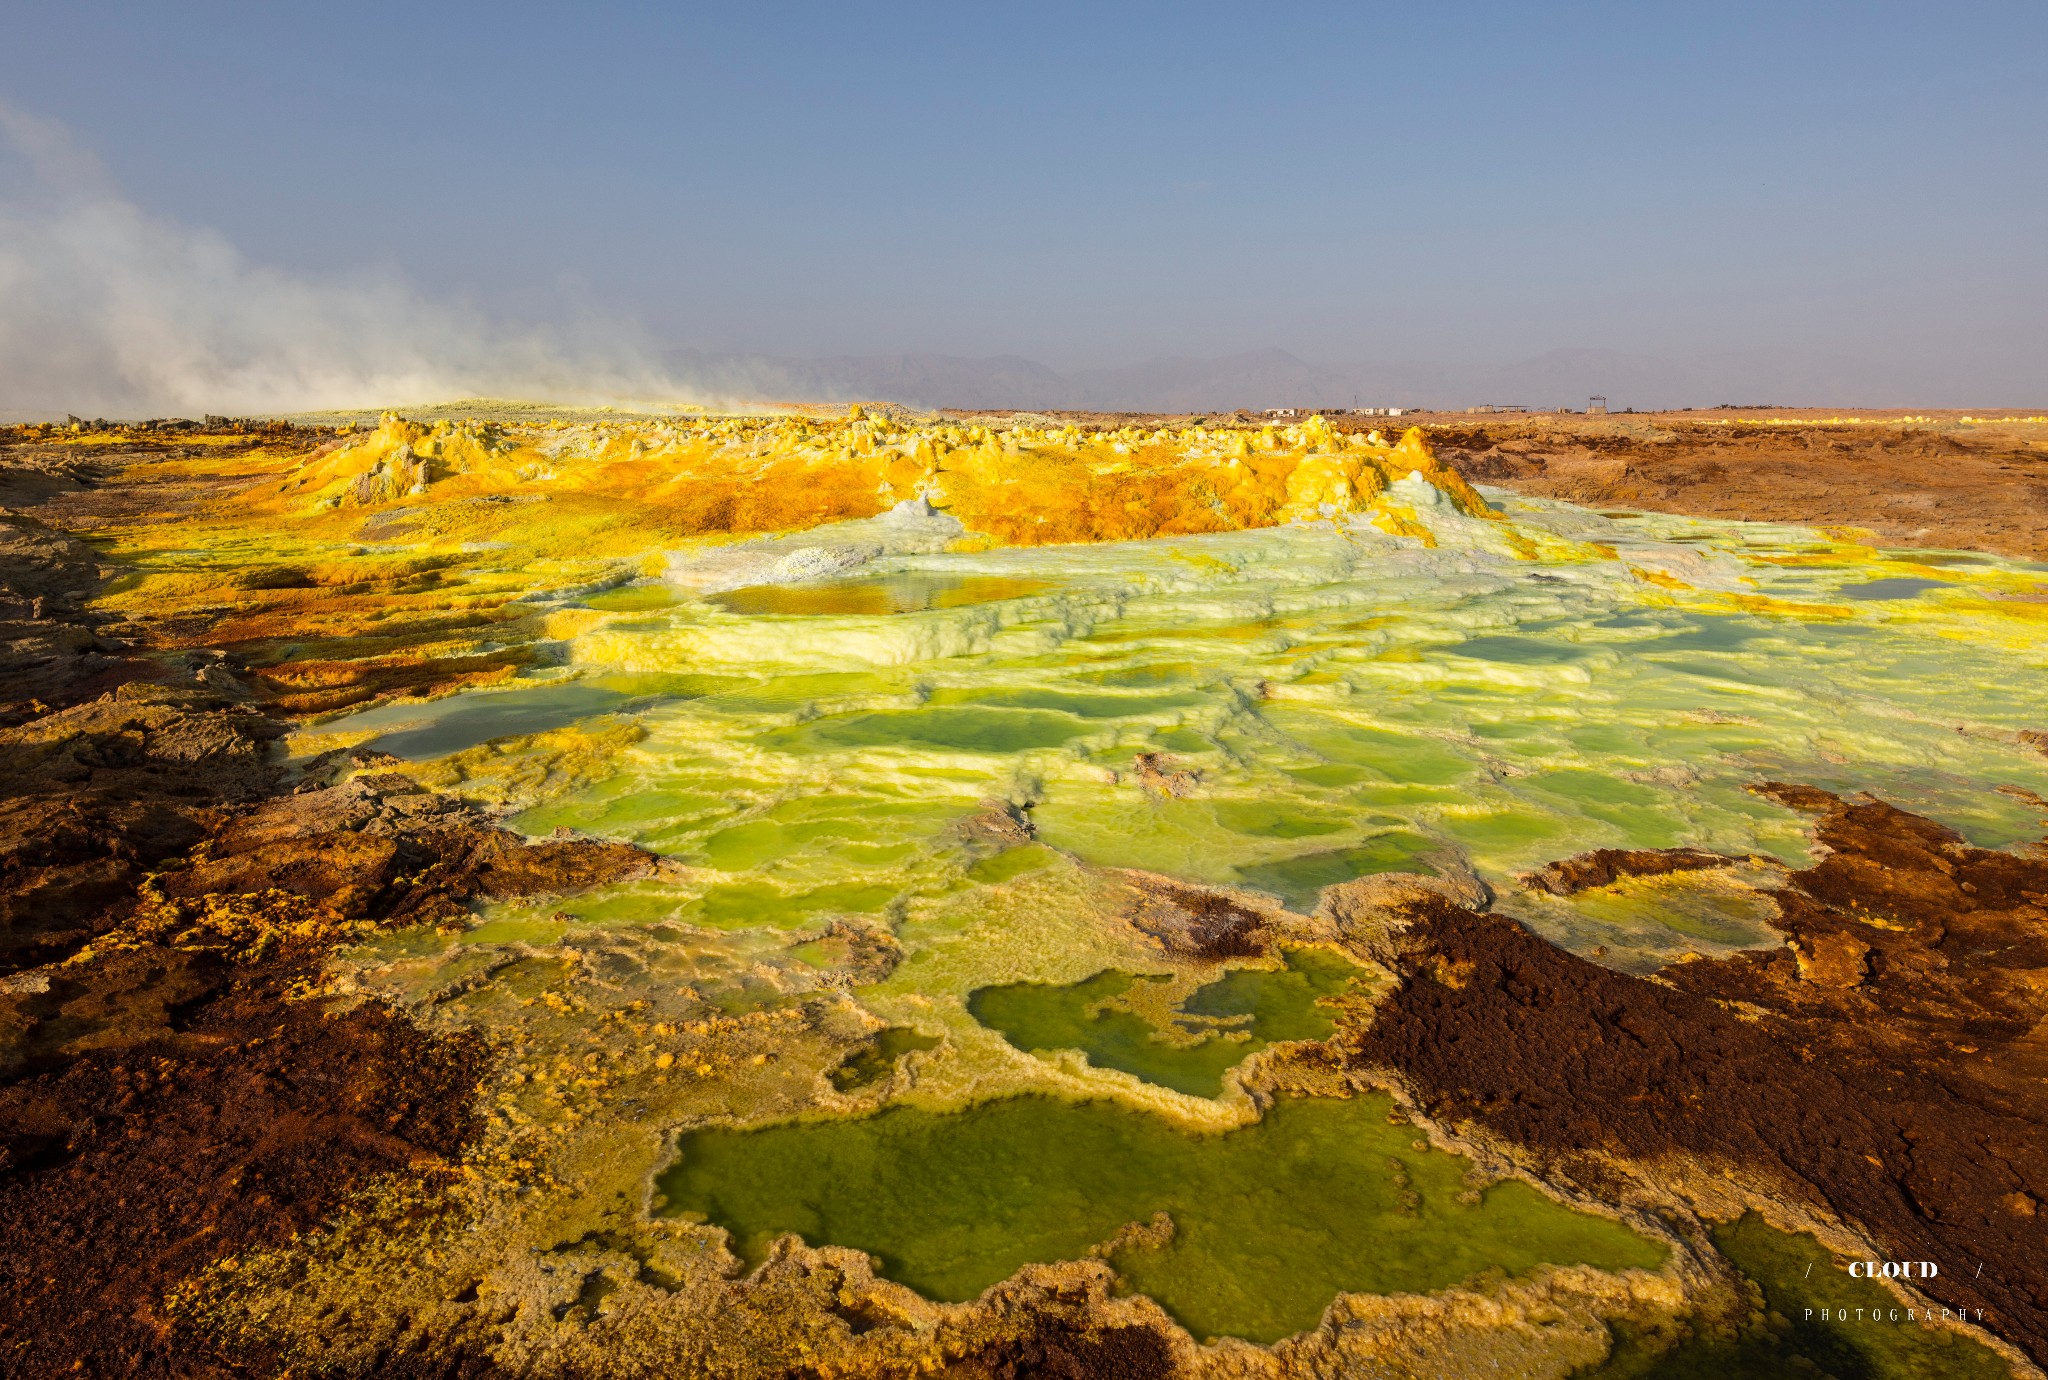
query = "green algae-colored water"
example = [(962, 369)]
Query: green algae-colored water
[(1270, 1222), (968, 728), (874, 1061), (634, 598), (1220, 1024), (1300, 879), (1082, 705), (1901, 588), (420, 732), (906, 592)]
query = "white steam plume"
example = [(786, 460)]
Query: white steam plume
[(108, 311)]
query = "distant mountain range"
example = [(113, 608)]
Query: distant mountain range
[(1275, 378)]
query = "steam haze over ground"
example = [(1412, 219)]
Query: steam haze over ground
[(234, 210), (109, 310)]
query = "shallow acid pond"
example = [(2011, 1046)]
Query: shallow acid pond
[(874, 596), (1299, 880), (1269, 1222), (634, 598), (420, 732), (877, 1059), (1904, 587), (1214, 1029)]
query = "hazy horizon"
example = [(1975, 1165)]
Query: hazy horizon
[(266, 211)]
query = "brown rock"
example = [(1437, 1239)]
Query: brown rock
[(1198, 922), (1910, 484), (1832, 960), (1883, 1070), (1605, 866)]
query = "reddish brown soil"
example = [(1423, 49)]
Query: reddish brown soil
[(1605, 866), (1066, 1351), (163, 1104), (1977, 488), (241, 1119), (163, 886), (1194, 922), (1886, 1066)]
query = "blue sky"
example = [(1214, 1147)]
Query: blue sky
[(1095, 184)]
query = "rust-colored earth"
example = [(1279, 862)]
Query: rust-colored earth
[(1886, 1067), (1936, 482)]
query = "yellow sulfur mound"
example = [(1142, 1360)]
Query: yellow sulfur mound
[(1024, 485)]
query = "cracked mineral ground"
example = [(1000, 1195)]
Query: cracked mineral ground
[(520, 893)]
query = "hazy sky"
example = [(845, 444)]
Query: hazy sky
[(1095, 184)]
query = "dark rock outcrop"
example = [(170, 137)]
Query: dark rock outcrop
[(1885, 1068)]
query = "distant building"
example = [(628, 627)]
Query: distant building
[(1596, 406), (1498, 407), (1283, 412), (1384, 411)]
